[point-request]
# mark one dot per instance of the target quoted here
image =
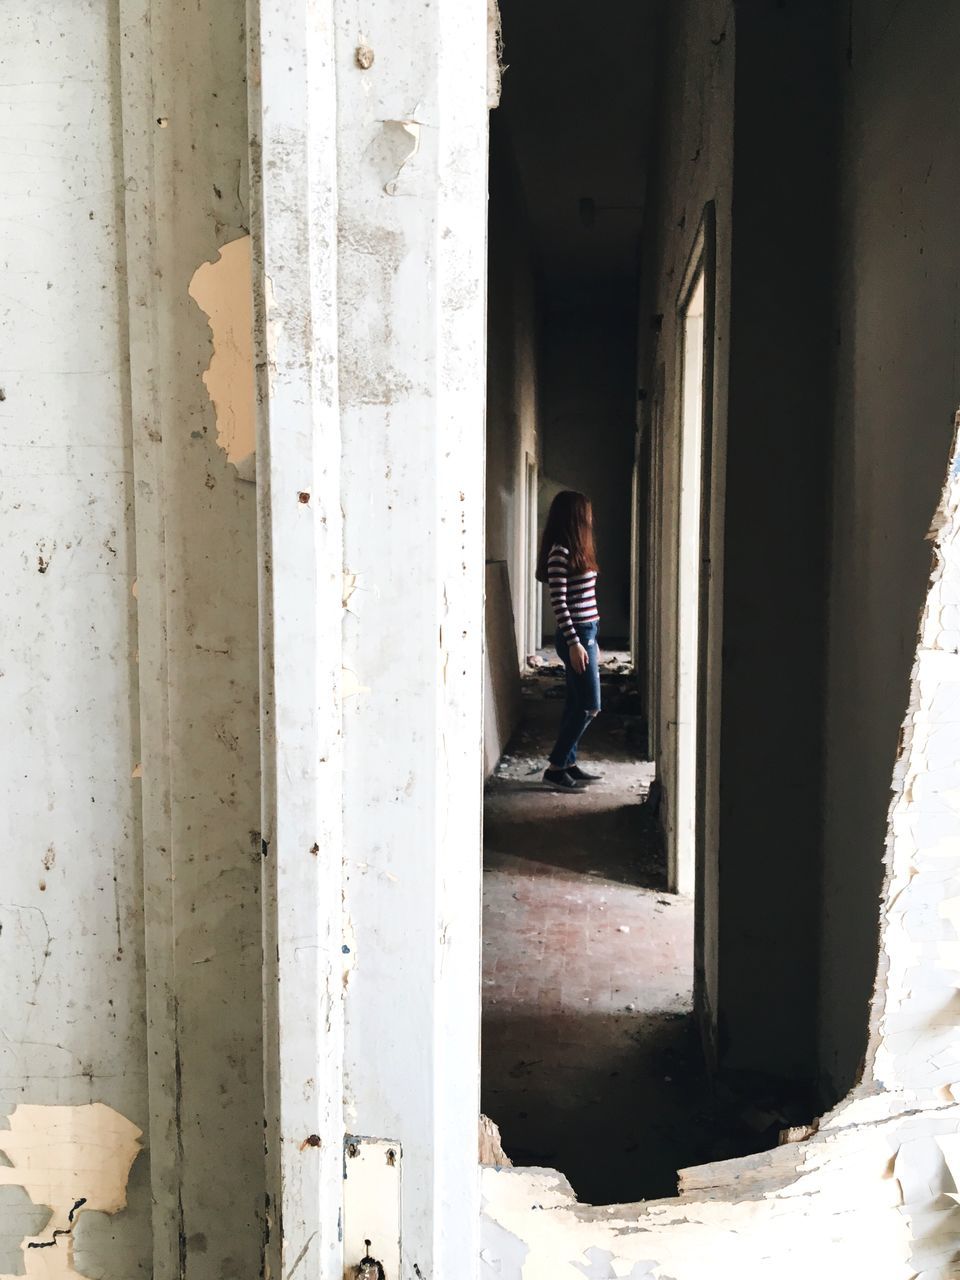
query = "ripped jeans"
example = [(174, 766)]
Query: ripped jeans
[(583, 696)]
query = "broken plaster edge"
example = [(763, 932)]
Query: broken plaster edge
[(884, 1158)]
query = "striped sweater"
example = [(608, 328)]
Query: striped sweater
[(573, 595)]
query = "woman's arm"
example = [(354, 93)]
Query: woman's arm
[(558, 567)]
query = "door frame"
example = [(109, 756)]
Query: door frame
[(701, 262), (371, 878), (653, 594), (637, 477), (532, 624), (690, 414)]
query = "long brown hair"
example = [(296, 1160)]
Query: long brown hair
[(570, 523)]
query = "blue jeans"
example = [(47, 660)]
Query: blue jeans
[(583, 696)]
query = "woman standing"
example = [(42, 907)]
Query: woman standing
[(568, 563)]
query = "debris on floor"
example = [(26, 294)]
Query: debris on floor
[(589, 1037)]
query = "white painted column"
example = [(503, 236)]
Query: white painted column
[(373, 429), (411, 138), (293, 179)]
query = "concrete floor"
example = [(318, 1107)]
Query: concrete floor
[(591, 1062)]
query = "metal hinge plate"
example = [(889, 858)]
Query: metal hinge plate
[(371, 1207)]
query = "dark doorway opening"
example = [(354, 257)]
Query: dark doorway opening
[(600, 1033)]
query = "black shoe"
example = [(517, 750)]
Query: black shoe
[(560, 780), (574, 771)]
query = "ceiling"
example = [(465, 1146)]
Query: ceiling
[(577, 112)]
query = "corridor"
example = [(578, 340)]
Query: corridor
[(591, 1059)]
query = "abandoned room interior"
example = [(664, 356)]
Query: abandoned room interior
[(308, 315), (678, 964)]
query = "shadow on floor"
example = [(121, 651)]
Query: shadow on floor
[(620, 1103), (591, 1058), (617, 1103), (620, 843)]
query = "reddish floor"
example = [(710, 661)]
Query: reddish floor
[(590, 1060)]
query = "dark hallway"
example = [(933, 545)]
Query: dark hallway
[(704, 235), (588, 1037), (592, 1062)]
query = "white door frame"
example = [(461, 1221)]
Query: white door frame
[(691, 337), (292, 99), (369, 159), (533, 597), (654, 565), (635, 548)]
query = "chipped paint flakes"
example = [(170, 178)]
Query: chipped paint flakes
[(72, 1159), (223, 290), (409, 146)]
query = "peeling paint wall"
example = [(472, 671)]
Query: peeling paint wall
[(223, 290), (130, 642), (71, 914), (76, 1160), (130, 947)]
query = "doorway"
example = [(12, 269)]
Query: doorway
[(590, 1035)]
